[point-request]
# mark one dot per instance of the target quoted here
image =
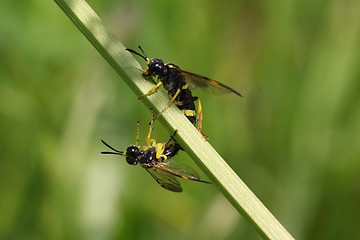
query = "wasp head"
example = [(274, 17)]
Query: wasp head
[(132, 155), (156, 67)]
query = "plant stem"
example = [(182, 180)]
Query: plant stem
[(233, 188)]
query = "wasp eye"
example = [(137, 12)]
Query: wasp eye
[(132, 160), (132, 151)]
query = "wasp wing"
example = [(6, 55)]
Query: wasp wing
[(165, 179), (179, 170), (195, 80)]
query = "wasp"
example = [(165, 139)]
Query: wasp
[(177, 82), (156, 159)]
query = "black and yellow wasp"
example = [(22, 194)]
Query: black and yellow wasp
[(177, 82), (155, 158)]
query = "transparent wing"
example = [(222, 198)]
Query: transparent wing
[(165, 179), (195, 80), (179, 170)]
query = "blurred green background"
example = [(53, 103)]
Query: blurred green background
[(293, 138)]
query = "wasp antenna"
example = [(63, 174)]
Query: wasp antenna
[(114, 153), (143, 51), (115, 150), (134, 52)]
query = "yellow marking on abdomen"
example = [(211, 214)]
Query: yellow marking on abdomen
[(189, 113)]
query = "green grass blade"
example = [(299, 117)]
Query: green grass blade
[(233, 188)]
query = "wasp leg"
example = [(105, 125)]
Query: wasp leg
[(200, 119), (169, 104), (148, 137), (152, 90), (137, 133), (149, 141), (171, 138)]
